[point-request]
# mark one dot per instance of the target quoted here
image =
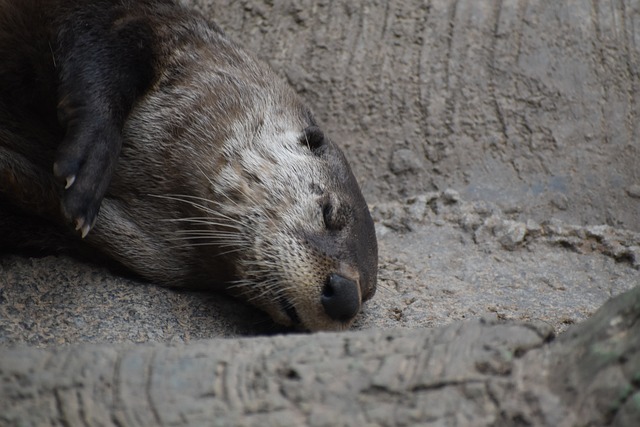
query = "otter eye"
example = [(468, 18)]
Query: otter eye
[(333, 216), (313, 138), (327, 210)]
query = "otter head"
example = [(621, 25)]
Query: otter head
[(263, 205), (285, 217), (310, 257)]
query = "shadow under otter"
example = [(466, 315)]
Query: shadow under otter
[(175, 153)]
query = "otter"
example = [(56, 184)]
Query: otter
[(137, 130)]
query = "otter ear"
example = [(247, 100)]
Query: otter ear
[(313, 138)]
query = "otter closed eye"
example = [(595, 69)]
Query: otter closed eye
[(207, 169), (334, 217), (327, 209)]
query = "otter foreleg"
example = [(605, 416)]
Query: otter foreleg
[(104, 64)]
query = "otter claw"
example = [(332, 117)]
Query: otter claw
[(84, 165), (85, 231), (82, 227), (69, 182)]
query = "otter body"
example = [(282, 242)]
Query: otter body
[(139, 131)]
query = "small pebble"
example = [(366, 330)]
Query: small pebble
[(634, 191)]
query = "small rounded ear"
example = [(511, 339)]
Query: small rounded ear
[(313, 138)]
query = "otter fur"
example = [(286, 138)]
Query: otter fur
[(137, 130)]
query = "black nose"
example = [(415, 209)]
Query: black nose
[(340, 298)]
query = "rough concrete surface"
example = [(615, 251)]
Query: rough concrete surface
[(469, 373), (498, 145)]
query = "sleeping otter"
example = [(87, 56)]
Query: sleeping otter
[(174, 152)]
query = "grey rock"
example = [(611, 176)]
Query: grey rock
[(634, 191), (404, 160), (511, 234), (450, 196), (483, 372)]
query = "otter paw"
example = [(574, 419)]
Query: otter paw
[(85, 163)]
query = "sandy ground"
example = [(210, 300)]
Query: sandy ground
[(441, 259)]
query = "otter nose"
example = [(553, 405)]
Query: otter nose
[(340, 298)]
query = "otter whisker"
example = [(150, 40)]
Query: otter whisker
[(386, 288), (208, 237), (255, 274), (191, 200), (216, 244), (184, 199), (195, 220), (260, 295), (232, 232), (204, 221), (232, 250), (251, 199), (213, 239), (227, 237), (249, 196), (254, 283), (246, 290), (221, 238), (212, 244), (216, 214)]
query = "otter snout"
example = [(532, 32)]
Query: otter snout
[(340, 298)]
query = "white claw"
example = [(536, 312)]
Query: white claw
[(70, 180), (85, 230), (82, 227)]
